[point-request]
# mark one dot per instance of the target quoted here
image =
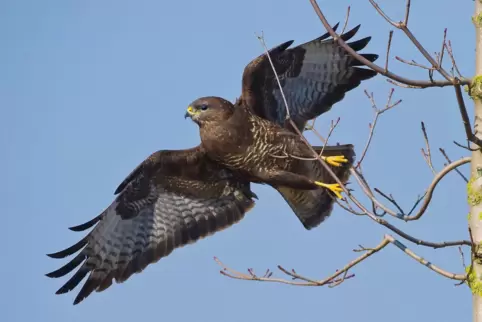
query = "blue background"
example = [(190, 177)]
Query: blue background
[(88, 89)]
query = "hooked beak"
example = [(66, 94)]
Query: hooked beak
[(189, 112)]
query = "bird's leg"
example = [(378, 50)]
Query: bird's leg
[(286, 179), (295, 181), (335, 160)]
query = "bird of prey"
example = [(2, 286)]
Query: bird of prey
[(176, 197), (173, 198), (252, 138)]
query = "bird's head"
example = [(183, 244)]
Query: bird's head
[(209, 110)]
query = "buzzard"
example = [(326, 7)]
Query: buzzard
[(251, 137), (176, 197)]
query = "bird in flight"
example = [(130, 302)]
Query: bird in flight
[(176, 197), (252, 137)]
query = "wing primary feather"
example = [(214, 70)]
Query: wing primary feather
[(88, 287), (278, 49), (361, 74), (349, 34), (87, 225), (360, 43), (370, 57), (106, 283), (74, 280), (327, 34), (72, 249), (67, 268)]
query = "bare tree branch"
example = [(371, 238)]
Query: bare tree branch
[(332, 279), (375, 67), (429, 192), (306, 281), (401, 81)]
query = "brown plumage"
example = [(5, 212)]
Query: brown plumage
[(173, 198), (251, 138)]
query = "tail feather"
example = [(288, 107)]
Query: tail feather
[(312, 207)]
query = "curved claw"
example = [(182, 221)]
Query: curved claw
[(334, 187), (335, 160)]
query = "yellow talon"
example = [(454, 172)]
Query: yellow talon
[(335, 187), (335, 160)]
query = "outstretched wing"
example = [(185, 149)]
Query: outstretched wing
[(171, 199), (314, 76)]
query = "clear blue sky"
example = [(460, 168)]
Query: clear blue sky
[(89, 88)]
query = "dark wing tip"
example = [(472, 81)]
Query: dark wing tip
[(89, 286), (56, 255), (327, 34), (360, 43), (349, 34), (362, 74), (280, 48), (73, 281), (370, 57), (70, 250), (120, 188), (86, 225), (67, 268)]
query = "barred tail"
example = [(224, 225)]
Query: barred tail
[(312, 207)]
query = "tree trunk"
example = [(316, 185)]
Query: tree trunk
[(475, 184)]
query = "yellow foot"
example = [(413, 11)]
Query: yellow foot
[(335, 160), (335, 187)]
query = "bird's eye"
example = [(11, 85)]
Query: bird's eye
[(203, 107)]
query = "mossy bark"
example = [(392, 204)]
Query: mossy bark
[(475, 185)]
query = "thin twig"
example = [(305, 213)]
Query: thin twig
[(427, 155), (407, 13), (372, 125), (390, 36), (332, 128), (462, 257), (346, 205), (452, 58), (465, 116), (413, 63), (391, 81), (441, 56), (466, 147), (449, 161), (263, 42), (392, 200), (346, 20)]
